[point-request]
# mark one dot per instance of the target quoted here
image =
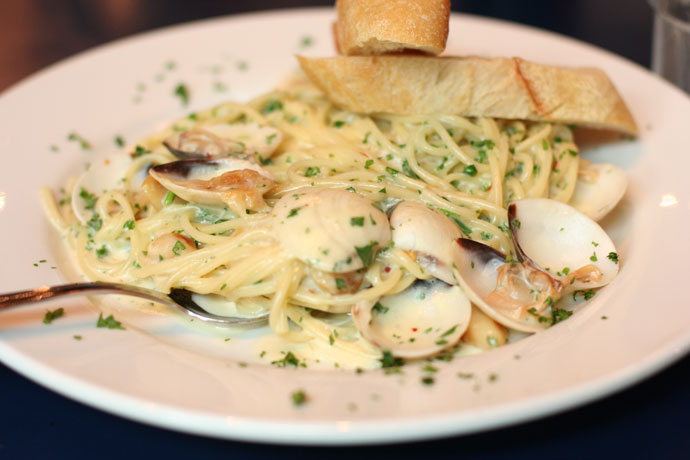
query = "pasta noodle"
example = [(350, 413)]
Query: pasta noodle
[(468, 169)]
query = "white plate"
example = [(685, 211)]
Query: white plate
[(167, 375)]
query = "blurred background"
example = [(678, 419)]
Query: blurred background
[(36, 33)]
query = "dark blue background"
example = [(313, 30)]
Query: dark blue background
[(648, 420)]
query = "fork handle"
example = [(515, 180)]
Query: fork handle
[(48, 292)]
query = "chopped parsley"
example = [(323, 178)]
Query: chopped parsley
[(357, 221), (392, 171), (470, 170), (139, 151), (178, 248), (272, 106), (129, 224), (558, 315), (367, 253), (380, 309), (481, 157), (340, 284), (306, 41), (593, 257), (387, 360), (312, 171), (299, 398), (613, 257), (83, 143), (588, 294), (428, 380), (110, 322), (119, 141), (182, 92), (50, 316), (89, 198), (95, 222), (168, 198), (338, 124), (408, 170), (368, 163), (102, 251), (293, 212), (456, 218), (289, 360)]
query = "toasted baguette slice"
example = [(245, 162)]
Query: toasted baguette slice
[(509, 88), (368, 27)]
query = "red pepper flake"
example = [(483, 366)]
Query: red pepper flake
[(555, 164), (387, 269), (414, 329), (107, 161), (489, 187), (311, 291)]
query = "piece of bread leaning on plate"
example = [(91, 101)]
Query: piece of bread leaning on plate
[(389, 64)]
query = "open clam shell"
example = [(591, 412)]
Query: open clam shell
[(478, 268), (599, 188), (224, 140), (564, 242), (420, 321), (238, 184), (108, 174)]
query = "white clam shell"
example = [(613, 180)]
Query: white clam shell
[(558, 238), (102, 175), (598, 197), (317, 227), (430, 234), (420, 321)]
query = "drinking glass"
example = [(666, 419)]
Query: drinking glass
[(671, 41)]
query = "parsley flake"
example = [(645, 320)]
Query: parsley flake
[(110, 322), (50, 316)]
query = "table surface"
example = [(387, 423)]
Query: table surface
[(650, 418)]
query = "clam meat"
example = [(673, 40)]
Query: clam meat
[(237, 184), (559, 250)]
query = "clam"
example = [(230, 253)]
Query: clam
[(237, 184), (559, 250), (512, 294), (107, 174), (599, 188), (420, 321), (428, 234), (330, 230), (564, 242), (224, 140)]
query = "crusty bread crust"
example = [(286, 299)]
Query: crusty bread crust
[(370, 27), (509, 88)]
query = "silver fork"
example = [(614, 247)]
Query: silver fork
[(178, 299)]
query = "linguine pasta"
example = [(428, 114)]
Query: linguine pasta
[(467, 169)]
